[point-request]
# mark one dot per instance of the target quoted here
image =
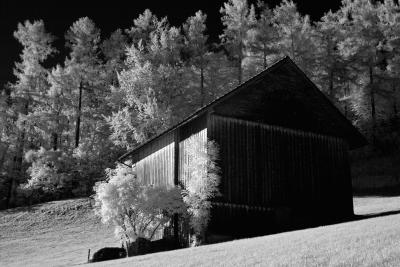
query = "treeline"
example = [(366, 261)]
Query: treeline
[(60, 127)]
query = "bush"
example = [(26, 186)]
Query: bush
[(136, 210), (51, 176), (202, 185)]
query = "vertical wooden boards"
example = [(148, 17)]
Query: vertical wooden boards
[(155, 162), (271, 166)]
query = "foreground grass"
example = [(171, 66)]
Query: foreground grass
[(59, 234), (369, 242)]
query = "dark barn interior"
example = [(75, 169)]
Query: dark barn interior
[(283, 154)]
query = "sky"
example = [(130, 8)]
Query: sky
[(59, 15)]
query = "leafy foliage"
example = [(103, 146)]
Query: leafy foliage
[(136, 210), (202, 185)]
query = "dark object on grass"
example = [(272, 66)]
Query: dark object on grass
[(163, 245), (139, 247), (108, 254)]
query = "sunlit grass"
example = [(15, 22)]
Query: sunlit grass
[(60, 233)]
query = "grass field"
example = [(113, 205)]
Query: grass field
[(60, 233), (52, 234)]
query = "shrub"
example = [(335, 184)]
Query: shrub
[(202, 185), (51, 176), (136, 210)]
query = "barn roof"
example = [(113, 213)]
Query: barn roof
[(315, 98)]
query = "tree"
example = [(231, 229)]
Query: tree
[(196, 41), (294, 35), (142, 114), (202, 185), (237, 18), (263, 35), (113, 50), (363, 38), (136, 210), (144, 26), (83, 38), (30, 86), (151, 94), (331, 72), (389, 56)]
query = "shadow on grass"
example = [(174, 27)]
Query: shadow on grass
[(377, 192), (357, 217)]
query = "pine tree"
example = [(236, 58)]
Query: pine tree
[(331, 66), (83, 38), (238, 18), (295, 35), (30, 87), (113, 49), (196, 42), (389, 55), (363, 38), (263, 36), (146, 24)]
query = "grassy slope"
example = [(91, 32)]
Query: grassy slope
[(51, 234), (59, 233)]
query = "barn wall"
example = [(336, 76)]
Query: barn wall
[(280, 169), (155, 161), (201, 136)]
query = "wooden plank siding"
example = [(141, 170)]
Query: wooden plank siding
[(155, 162), (184, 175), (274, 168)]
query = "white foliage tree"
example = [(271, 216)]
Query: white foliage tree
[(202, 185), (136, 210)]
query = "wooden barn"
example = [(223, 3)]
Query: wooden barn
[(283, 153)]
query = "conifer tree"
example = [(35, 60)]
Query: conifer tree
[(238, 18), (263, 36), (363, 40), (30, 87), (83, 38), (196, 42), (295, 35)]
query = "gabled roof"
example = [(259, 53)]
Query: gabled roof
[(353, 136)]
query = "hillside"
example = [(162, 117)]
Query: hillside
[(57, 233), (60, 233)]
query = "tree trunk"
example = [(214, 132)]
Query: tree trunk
[(372, 102), (346, 93), (331, 94), (240, 70), (55, 141), (202, 95), (3, 152), (78, 117), (240, 63), (394, 103), (292, 45), (17, 162), (264, 57)]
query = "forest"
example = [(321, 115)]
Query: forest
[(63, 123)]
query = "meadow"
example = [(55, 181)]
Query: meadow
[(60, 233)]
